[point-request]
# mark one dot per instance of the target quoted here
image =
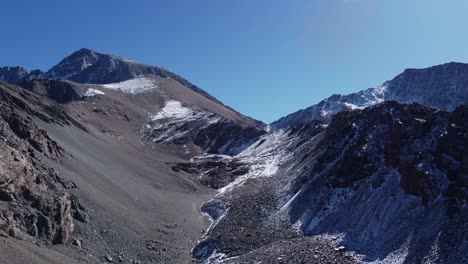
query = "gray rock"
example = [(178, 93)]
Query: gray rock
[(109, 258), (77, 242)]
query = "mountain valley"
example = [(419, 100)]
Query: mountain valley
[(108, 160)]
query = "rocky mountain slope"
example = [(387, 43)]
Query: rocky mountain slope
[(35, 200), (443, 87), (107, 191), (201, 119), (384, 184)]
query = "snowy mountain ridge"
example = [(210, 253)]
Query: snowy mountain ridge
[(444, 86), (87, 66), (133, 86)]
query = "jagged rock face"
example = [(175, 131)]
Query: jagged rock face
[(34, 200), (25, 129), (444, 87), (74, 64), (214, 171), (226, 137), (383, 163), (406, 138), (59, 91), (220, 137), (18, 74), (14, 97), (35, 74), (13, 74)]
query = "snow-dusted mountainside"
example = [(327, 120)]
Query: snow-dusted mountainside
[(162, 110), (388, 184), (183, 125), (88, 66), (443, 86), (212, 126)]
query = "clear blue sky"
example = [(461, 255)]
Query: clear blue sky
[(265, 58)]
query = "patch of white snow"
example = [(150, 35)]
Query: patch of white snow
[(134, 86), (173, 109), (93, 92)]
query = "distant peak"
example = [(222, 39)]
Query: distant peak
[(10, 68), (85, 50)]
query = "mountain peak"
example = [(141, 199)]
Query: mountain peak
[(85, 50), (88, 66), (74, 64), (12, 74)]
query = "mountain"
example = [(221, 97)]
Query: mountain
[(13, 74), (88, 66), (443, 86), (87, 168), (17, 74), (106, 160), (166, 112), (214, 127)]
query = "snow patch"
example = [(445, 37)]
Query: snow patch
[(170, 123), (264, 159), (173, 109), (134, 86), (93, 92)]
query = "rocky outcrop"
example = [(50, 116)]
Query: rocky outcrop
[(214, 171), (226, 137), (25, 129), (209, 132), (13, 74), (408, 138), (19, 74), (59, 91), (34, 200)]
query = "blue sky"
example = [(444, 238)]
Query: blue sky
[(265, 58)]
